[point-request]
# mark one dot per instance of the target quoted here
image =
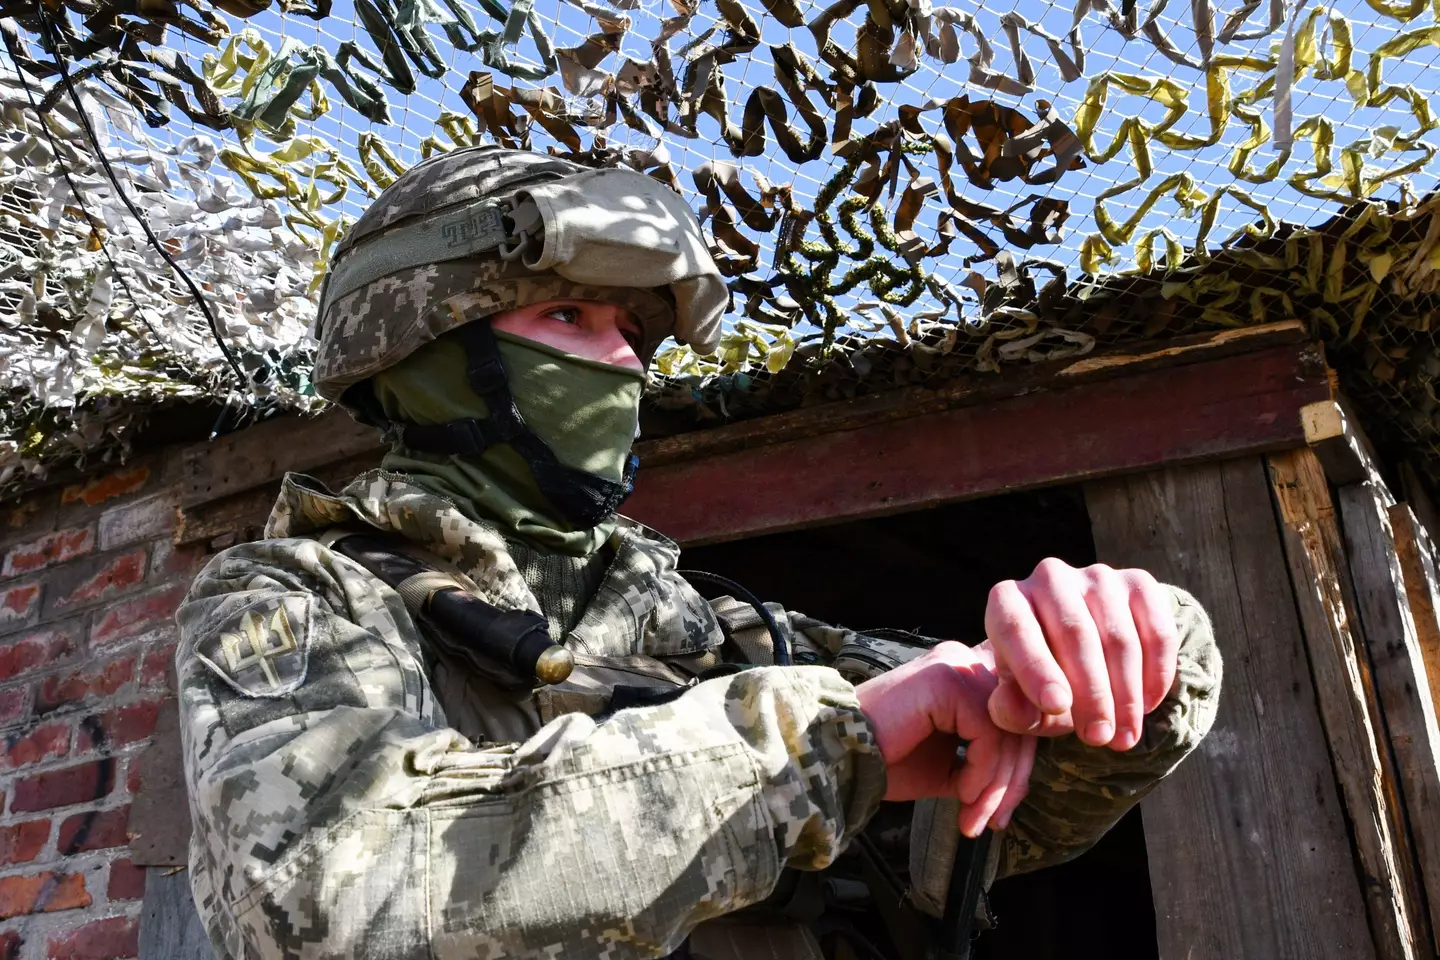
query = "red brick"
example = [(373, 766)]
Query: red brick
[(93, 830), (155, 669), (19, 604), (134, 773), (14, 704), (145, 519), (22, 842), (34, 652), (118, 574), (57, 547), (42, 743), (20, 515), (122, 621), (83, 685), (117, 484), (127, 882), (168, 560), (114, 938), (58, 788), (10, 944), (118, 727), (42, 893)]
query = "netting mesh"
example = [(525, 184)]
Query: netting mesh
[(897, 190)]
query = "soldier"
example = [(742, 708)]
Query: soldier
[(364, 783)]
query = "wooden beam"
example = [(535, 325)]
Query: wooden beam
[(1393, 647), (1249, 852), (1247, 403), (257, 455), (1334, 433), (238, 517), (1315, 555), (970, 390)]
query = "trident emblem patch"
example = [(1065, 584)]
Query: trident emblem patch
[(258, 643), (262, 651)]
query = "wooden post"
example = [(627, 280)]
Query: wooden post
[(1422, 586), (1248, 848), (1316, 557), (1400, 681), (170, 927)]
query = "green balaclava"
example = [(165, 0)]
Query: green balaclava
[(587, 411)]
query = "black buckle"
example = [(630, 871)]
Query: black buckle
[(469, 433), (486, 374)]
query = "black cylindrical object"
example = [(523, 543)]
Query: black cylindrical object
[(512, 646)]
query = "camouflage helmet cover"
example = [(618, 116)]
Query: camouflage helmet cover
[(431, 254)]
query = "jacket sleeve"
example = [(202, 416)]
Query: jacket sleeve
[(1078, 792), (336, 815)]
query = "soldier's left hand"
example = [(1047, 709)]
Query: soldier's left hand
[(1090, 650)]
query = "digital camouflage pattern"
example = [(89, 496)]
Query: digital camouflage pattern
[(377, 326), (372, 800), (379, 323)]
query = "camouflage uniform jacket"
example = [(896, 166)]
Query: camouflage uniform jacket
[(356, 795)]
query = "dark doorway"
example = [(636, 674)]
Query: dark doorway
[(930, 571)]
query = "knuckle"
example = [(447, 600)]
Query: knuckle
[(1004, 592), (1075, 627), (1120, 638), (1052, 568), (1137, 577)]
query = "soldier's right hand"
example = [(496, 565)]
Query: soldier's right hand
[(921, 712)]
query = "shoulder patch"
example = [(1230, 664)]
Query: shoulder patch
[(263, 649)]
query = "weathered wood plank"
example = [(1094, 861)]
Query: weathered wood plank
[(159, 815), (966, 391), (1413, 492), (256, 455), (1422, 587), (1249, 853), (170, 927), (1241, 404), (1402, 687), (241, 516), (1333, 432), (1316, 558)]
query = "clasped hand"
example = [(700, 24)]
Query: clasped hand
[(1089, 651)]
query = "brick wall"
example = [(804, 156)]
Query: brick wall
[(89, 583)]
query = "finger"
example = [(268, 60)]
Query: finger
[(976, 815), (930, 770), (1109, 603), (982, 756), (1019, 783), (1153, 611), (1020, 649), (1011, 710), (1057, 592)]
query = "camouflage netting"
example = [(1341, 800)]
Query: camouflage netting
[(898, 191), (1365, 282)]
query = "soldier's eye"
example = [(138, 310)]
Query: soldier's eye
[(568, 315)]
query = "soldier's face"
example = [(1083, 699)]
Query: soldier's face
[(587, 328)]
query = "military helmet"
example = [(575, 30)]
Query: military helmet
[(481, 230)]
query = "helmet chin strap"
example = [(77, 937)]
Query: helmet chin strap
[(583, 499)]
